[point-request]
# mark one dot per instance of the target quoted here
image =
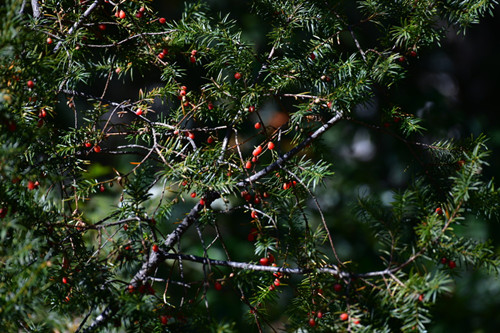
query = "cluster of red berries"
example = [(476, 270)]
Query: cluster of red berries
[(312, 321), (266, 261), (120, 14), (96, 148), (140, 12), (254, 232), (192, 57), (33, 185), (257, 151), (143, 289), (163, 53), (289, 184), (451, 264)]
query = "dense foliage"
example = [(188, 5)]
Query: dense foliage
[(151, 164)]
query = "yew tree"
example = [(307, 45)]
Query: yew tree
[(164, 168)]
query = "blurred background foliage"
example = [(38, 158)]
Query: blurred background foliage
[(453, 87)]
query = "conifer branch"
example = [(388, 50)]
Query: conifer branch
[(78, 23), (281, 161)]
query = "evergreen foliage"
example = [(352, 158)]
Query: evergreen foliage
[(134, 212)]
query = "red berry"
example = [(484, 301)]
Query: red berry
[(161, 55), (30, 84), (257, 125), (31, 185), (248, 165), (329, 104), (97, 149), (162, 20), (452, 264), (121, 14), (49, 40), (270, 145), (65, 280), (344, 316), (138, 112), (102, 188), (272, 287), (312, 322), (337, 287), (3, 212), (251, 108), (88, 144), (265, 195), (192, 59), (253, 214), (439, 211), (184, 88), (444, 261), (252, 234), (413, 53), (210, 140), (319, 314), (42, 113), (401, 59), (184, 182), (257, 151), (264, 261), (102, 27), (255, 159), (138, 14), (164, 320), (355, 321), (182, 93), (125, 227), (193, 195), (396, 119), (271, 258), (312, 56), (421, 297), (155, 248), (217, 285), (191, 135), (256, 200), (277, 282), (130, 288), (142, 10), (210, 106), (202, 202), (237, 76)]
